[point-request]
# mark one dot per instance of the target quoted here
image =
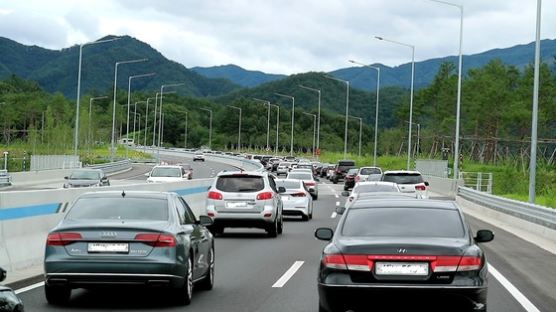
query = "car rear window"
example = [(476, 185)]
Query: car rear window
[(367, 171), (352, 171), (403, 178), (403, 222), (371, 188), (300, 176), (119, 208), (288, 185), (240, 183), (346, 163), (84, 175), (166, 172)]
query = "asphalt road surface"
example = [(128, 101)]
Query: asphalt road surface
[(251, 273)]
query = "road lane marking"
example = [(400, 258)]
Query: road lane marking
[(518, 295), (336, 195), (289, 273), (334, 215), (337, 204), (30, 287)]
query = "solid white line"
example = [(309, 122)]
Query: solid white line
[(30, 287), (289, 273), (336, 195), (334, 214), (520, 297)]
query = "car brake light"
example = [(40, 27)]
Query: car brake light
[(456, 263), (210, 214), (264, 196), (420, 187), (468, 263), (156, 240), (214, 195), (357, 178), (62, 239), (301, 194), (310, 183), (347, 262)]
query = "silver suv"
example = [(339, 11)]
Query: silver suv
[(245, 199)]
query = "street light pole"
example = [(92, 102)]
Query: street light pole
[(146, 122), (185, 134), (112, 147), (360, 131), (533, 159), (90, 113), (210, 126), (293, 114), (314, 130), (128, 103), (160, 107), (76, 138), (267, 122), (412, 47), (318, 115), (376, 106), (239, 128), (277, 126), (135, 111), (347, 112)]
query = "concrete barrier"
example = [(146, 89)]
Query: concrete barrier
[(443, 186), (39, 177)]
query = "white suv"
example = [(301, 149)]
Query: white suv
[(245, 199), (408, 181)]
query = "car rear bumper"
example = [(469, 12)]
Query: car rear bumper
[(244, 220), (441, 297)]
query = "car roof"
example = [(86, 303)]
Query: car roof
[(87, 169), (376, 183), (132, 194), (370, 167), (239, 172), (288, 180), (401, 171), (397, 202), (168, 166)]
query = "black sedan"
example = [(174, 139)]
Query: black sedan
[(401, 255), (129, 238), (9, 302)]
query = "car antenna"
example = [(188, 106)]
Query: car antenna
[(123, 193)]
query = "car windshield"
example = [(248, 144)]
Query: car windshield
[(119, 208), (162, 172), (367, 171), (403, 178), (371, 188), (85, 175), (288, 185), (403, 222), (352, 171), (240, 183), (300, 176)]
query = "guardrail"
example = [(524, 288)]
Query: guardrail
[(5, 178), (113, 166), (530, 212)]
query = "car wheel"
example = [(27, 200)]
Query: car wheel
[(346, 188), (335, 181), (281, 225), (216, 230), (272, 230), (208, 281), (304, 218), (184, 294), (57, 295), (322, 309)]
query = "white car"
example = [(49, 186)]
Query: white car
[(308, 179), (167, 173), (368, 174), (199, 157), (363, 188), (283, 168), (408, 181), (296, 200)]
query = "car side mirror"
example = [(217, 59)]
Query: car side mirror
[(426, 183), (340, 210), (281, 189), (205, 221), (345, 193), (147, 174), (66, 178), (2, 274), (311, 190), (325, 234), (484, 236)]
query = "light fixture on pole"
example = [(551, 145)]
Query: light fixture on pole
[(239, 128), (347, 111), (210, 125), (76, 138), (277, 127), (535, 112), (318, 115), (376, 106), (360, 132), (267, 122), (128, 102), (112, 146), (314, 130), (412, 47), (293, 118)]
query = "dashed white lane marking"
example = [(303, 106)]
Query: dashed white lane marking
[(518, 295), (30, 287), (289, 273), (337, 204), (334, 215), (336, 195)]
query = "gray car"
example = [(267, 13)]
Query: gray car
[(129, 238), (86, 178), (246, 199)]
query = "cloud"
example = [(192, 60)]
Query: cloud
[(33, 29)]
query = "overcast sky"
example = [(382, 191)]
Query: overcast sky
[(280, 36)]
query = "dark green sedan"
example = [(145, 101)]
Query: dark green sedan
[(129, 238)]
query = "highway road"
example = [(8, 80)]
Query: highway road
[(254, 273)]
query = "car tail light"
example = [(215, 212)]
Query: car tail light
[(310, 183), (264, 196), (156, 240), (301, 194), (334, 262), (347, 262), (210, 214), (468, 263), (62, 239), (357, 178), (456, 263), (420, 187), (214, 195), (267, 214)]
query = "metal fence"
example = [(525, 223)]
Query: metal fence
[(534, 213), (113, 166), (47, 162), (432, 167), (479, 181), (5, 179)]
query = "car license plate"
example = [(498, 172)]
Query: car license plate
[(402, 268), (108, 247), (236, 205), (285, 198)]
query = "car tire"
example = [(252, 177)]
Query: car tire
[(281, 225), (346, 188), (57, 295), (184, 294), (272, 229), (335, 181), (322, 309), (207, 283), (216, 230), (304, 217)]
